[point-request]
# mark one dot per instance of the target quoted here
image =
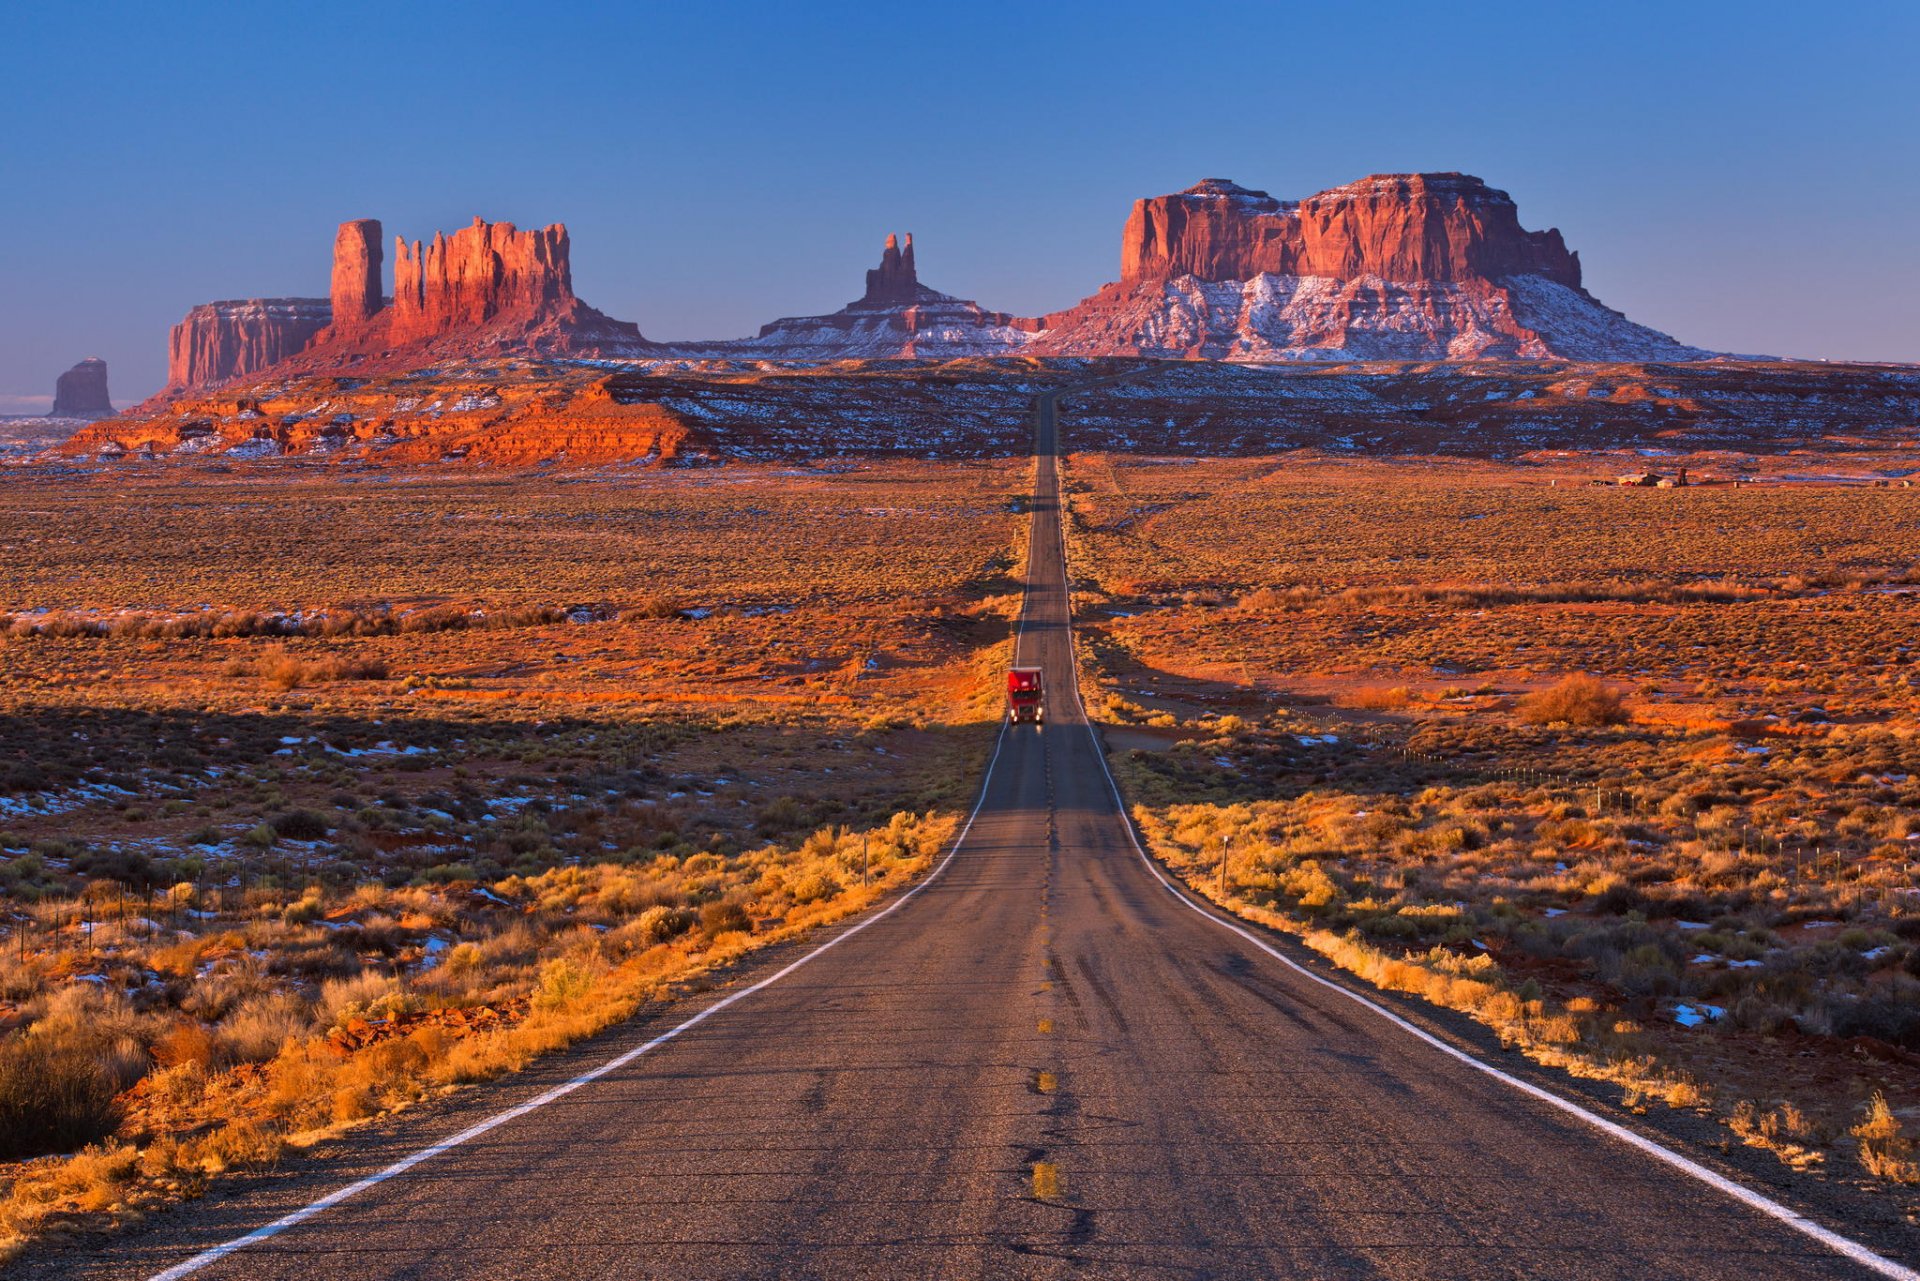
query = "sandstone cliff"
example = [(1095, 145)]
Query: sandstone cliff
[(81, 392), (1399, 227), (478, 275), (356, 276), (1392, 267), (486, 290), (220, 341), (894, 281)]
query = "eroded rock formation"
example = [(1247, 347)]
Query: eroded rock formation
[(1399, 227), (488, 289), (81, 392), (479, 274), (894, 281), (1392, 267), (356, 276), (897, 318), (219, 341)]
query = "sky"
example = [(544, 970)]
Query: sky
[(1742, 176)]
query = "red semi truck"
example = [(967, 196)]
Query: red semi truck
[(1023, 694)]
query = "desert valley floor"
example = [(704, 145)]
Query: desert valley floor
[(342, 774)]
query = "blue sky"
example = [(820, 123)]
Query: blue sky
[(1743, 176)]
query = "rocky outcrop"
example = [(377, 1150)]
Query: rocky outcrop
[(1392, 267), (897, 318), (487, 290), (1430, 266), (1400, 227), (81, 392), (356, 276), (221, 341), (894, 281), (480, 274)]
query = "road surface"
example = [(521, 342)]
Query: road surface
[(1043, 1064)]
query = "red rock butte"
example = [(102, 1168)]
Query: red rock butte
[(1400, 227), (894, 280), (486, 289), (476, 276), (356, 276), (81, 392), (1424, 266)]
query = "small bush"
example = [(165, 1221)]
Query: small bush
[(1380, 699), (813, 887), (562, 984), (55, 1096), (299, 825), (1577, 700), (723, 918), (660, 923), (261, 1025)]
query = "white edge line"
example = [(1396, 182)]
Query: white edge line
[(215, 1253), (1746, 1196)]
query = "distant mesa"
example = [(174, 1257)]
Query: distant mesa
[(81, 392), (487, 289), (1428, 227), (1432, 266), (1423, 266), (897, 318)]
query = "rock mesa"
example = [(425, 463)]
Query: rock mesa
[(1399, 227), (81, 392), (220, 341), (1432, 266), (488, 289)]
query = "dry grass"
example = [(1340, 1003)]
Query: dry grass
[(1406, 693), (1885, 1150), (395, 822)]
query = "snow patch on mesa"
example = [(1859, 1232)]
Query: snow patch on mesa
[(1579, 328)]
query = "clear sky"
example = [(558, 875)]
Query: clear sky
[(1744, 176)]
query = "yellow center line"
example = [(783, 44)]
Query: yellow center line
[(1047, 1183)]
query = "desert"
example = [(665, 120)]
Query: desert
[(1260, 728)]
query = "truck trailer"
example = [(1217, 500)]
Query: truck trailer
[(1024, 695)]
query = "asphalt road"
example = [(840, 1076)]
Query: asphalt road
[(1044, 1064)]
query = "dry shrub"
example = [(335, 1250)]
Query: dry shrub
[(660, 923), (94, 1180), (724, 918), (367, 995), (655, 607), (1783, 1130), (1380, 699), (1884, 1150), (812, 887), (186, 1042), (563, 984), (239, 1145), (55, 1096), (286, 671), (1577, 700), (261, 1025)]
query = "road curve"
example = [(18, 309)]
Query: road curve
[(1043, 1064)]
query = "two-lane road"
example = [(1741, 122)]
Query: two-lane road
[(1042, 1064)]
